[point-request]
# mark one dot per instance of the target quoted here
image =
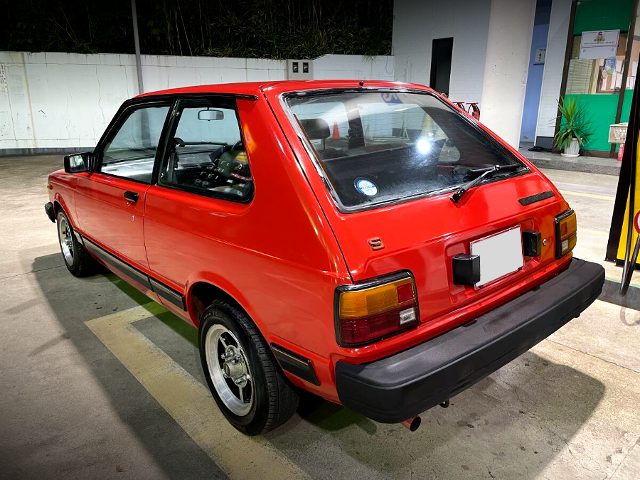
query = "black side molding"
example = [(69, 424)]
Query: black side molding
[(105, 256), (168, 294), (143, 279), (295, 364), (538, 197)]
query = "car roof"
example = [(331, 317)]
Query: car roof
[(256, 88)]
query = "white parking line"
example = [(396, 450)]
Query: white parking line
[(188, 401)]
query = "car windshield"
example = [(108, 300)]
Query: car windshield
[(379, 147)]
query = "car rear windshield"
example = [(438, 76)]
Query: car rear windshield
[(380, 147)]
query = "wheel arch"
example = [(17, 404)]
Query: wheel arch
[(60, 205), (203, 291), (57, 207)]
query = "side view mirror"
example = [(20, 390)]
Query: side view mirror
[(78, 162), (209, 115)]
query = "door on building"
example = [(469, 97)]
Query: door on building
[(441, 64)]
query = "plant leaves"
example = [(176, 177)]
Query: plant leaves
[(575, 122)]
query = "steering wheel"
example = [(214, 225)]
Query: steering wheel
[(178, 141), (238, 145)]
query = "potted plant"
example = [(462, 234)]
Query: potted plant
[(575, 126)]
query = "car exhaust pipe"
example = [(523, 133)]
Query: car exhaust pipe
[(412, 423)]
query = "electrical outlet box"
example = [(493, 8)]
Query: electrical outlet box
[(540, 56), (299, 69)]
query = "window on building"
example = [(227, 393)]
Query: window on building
[(603, 75)]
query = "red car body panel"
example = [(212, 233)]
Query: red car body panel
[(104, 215), (282, 255)]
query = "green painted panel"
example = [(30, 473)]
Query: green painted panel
[(603, 15), (626, 106), (602, 110)]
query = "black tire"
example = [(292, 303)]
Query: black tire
[(275, 400), (82, 264)]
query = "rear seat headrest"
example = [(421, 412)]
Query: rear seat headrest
[(316, 128)]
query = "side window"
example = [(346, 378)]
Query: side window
[(132, 150), (207, 154)]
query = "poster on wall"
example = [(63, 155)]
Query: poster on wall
[(599, 44)]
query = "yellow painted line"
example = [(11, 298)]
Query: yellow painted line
[(593, 232), (588, 195), (188, 401)]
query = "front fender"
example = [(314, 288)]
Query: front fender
[(62, 194)]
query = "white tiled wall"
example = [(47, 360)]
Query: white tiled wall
[(63, 100), (417, 23), (354, 67)]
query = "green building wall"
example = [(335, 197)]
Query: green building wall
[(603, 15)]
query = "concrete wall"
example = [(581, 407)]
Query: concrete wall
[(63, 100), (553, 67), (353, 67), (507, 66), (415, 26)]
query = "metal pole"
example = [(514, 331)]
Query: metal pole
[(625, 70), (626, 275), (632, 141), (136, 40)]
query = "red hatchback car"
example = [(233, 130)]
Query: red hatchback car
[(365, 241)]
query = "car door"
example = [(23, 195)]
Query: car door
[(204, 184), (110, 207)]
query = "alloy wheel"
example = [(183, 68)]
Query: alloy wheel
[(229, 370), (66, 239)]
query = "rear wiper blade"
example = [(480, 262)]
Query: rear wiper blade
[(485, 172)]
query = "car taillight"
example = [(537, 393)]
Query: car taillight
[(566, 233), (375, 309)]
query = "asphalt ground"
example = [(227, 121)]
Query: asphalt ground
[(97, 381)]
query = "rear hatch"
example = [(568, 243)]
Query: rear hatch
[(392, 161), (424, 235)]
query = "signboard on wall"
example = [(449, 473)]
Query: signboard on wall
[(599, 44)]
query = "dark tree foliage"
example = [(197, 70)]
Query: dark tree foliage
[(242, 28)]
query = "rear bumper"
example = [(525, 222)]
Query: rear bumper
[(48, 208), (399, 387)]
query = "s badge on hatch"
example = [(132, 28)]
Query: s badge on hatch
[(375, 243)]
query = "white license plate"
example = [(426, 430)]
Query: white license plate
[(500, 254)]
